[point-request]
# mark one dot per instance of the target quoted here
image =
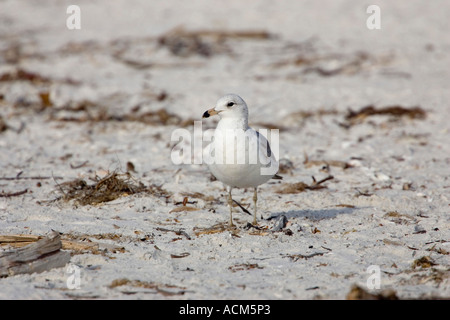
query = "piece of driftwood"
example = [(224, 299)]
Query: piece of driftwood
[(39, 256), (75, 247)]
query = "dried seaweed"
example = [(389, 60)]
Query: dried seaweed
[(289, 188), (33, 77), (423, 262), (88, 111), (244, 266), (103, 190), (334, 64), (296, 257), (431, 274), (205, 43), (395, 112), (164, 289)]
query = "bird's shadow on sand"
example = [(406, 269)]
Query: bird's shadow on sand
[(318, 214)]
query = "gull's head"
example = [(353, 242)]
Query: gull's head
[(229, 106)]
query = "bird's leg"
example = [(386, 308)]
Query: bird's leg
[(230, 204), (255, 198)]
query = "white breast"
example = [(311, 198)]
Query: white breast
[(238, 158)]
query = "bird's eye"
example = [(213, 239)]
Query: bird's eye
[(230, 104)]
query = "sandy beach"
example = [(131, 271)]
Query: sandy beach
[(87, 115)]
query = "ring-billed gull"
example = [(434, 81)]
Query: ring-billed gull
[(239, 156)]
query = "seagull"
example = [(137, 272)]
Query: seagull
[(238, 156)]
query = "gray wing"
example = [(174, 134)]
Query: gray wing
[(266, 152)]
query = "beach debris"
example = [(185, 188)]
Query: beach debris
[(36, 79), (344, 205), (363, 193), (217, 228), (183, 208), (74, 244), (108, 188), (419, 229), (256, 230), (333, 64), (280, 223), (12, 194), (179, 256), (297, 187), (180, 232), (39, 256), (45, 99), (430, 273), (205, 43), (423, 263), (242, 208), (315, 230), (163, 289), (130, 167), (399, 218), (244, 266), (19, 176), (358, 293), (79, 165), (296, 257), (394, 111), (392, 242), (88, 111), (438, 250)]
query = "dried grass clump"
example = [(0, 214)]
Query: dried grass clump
[(105, 189)]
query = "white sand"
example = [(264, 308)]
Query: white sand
[(364, 217)]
